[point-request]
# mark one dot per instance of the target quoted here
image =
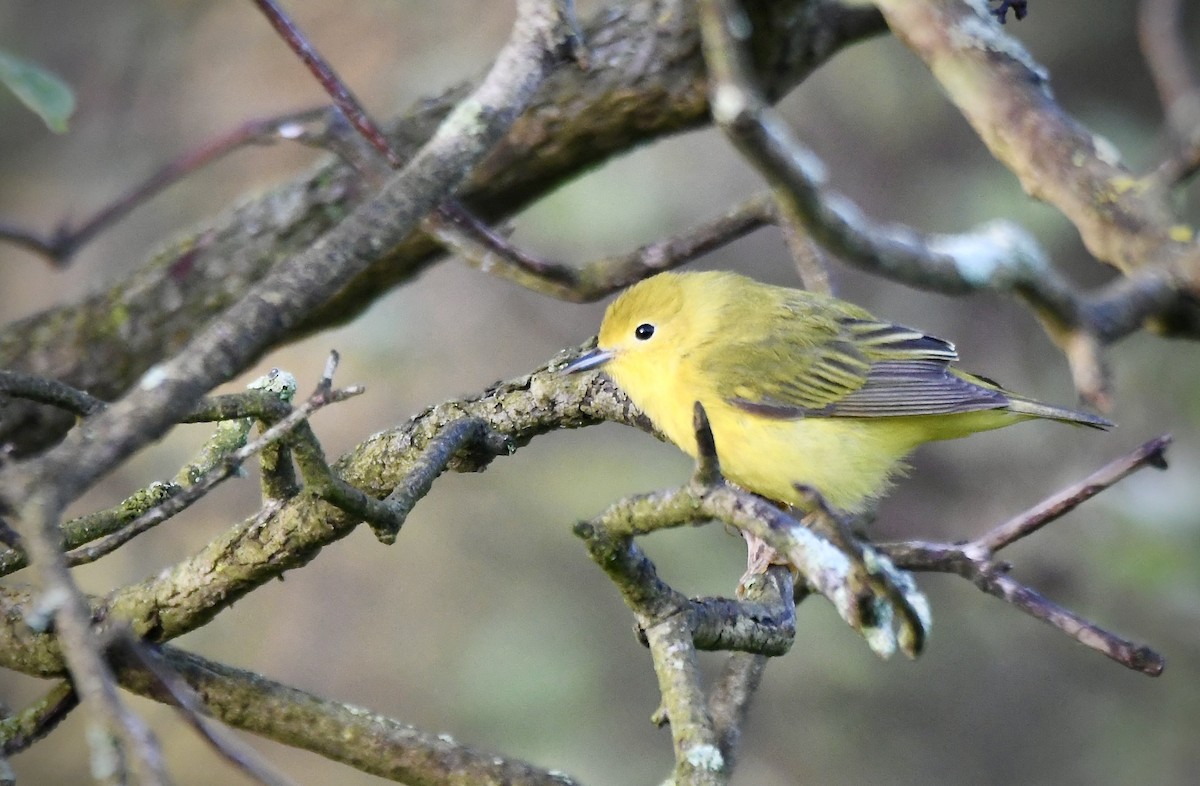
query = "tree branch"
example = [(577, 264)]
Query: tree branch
[(364, 740), (1005, 97), (998, 256), (975, 560), (38, 490), (645, 80)]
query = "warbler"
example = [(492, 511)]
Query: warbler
[(800, 389)]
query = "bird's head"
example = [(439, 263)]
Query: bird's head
[(646, 325), (657, 321)]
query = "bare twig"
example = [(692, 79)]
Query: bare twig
[(343, 98), (168, 686), (808, 257), (267, 400), (18, 732), (1130, 654), (992, 577), (48, 391), (118, 738), (87, 528), (1149, 454), (387, 516), (598, 278), (224, 466), (975, 561), (451, 221), (59, 246)]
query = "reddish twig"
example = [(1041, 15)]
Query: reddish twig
[(337, 89), (1151, 453), (601, 277), (451, 222), (63, 242)]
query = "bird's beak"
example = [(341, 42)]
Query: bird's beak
[(597, 357)]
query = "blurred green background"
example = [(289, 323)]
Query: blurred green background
[(487, 620)]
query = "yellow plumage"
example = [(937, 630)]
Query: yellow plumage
[(799, 388)]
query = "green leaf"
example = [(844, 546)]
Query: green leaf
[(38, 89)]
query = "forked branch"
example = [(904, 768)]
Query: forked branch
[(975, 560)]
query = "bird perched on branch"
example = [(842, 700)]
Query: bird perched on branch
[(800, 389)]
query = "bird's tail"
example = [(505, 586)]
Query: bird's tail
[(1036, 409)]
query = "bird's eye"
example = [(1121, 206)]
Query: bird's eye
[(643, 331)]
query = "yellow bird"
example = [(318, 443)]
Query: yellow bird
[(800, 388)]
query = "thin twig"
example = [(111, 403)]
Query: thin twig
[(601, 277), (267, 400), (227, 466), (168, 686), (1137, 657), (49, 391), (808, 257), (1149, 454), (120, 741), (993, 578), (88, 527), (975, 561), (59, 246), (227, 406), (343, 98), (386, 516), (451, 221), (18, 732)]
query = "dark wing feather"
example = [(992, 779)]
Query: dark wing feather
[(847, 366), (913, 387)]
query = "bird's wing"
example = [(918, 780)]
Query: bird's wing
[(849, 366)]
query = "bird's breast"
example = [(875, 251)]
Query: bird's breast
[(847, 460)]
